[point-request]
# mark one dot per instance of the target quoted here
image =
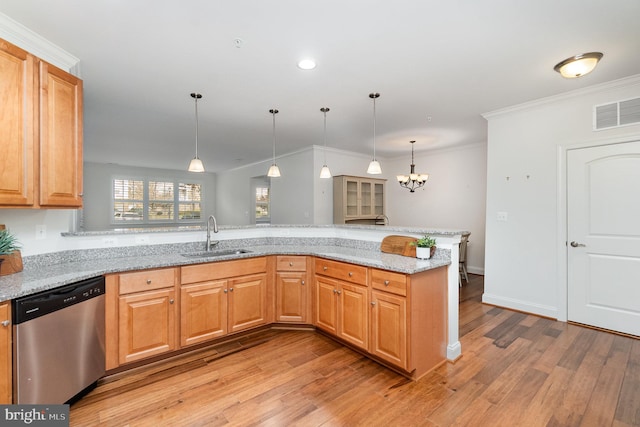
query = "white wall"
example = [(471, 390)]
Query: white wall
[(291, 194), (453, 197), (524, 256)]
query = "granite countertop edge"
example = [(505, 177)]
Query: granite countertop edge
[(37, 278)]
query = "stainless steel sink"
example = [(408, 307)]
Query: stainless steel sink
[(213, 254)]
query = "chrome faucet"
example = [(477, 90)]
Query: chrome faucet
[(215, 230)]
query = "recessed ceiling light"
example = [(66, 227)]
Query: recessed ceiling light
[(307, 64)]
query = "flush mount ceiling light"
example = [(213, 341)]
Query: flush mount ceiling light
[(414, 180), (325, 172), (307, 64), (274, 170), (196, 164), (578, 65), (374, 166)]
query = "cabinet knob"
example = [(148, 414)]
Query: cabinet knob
[(171, 301), (290, 264), (386, 283), (335, 291), (230, 289), (373, 303), (225, 291), (339, 292), (350, 274), (5, 323), (302, 282), (325, 268), (148, 281)]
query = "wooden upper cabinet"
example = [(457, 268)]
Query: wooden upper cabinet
[(60, 138), (41, 132), (18, 95)]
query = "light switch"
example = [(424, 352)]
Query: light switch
[(502, 216)]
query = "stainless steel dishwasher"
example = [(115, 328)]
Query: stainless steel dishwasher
[(58, 345)]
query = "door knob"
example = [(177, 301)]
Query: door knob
[(575, 244)]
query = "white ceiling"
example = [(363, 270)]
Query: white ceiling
[(450, 60)]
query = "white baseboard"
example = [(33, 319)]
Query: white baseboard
[(524, 306), (475, 270)]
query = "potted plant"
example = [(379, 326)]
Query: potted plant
[(10, 257), (425, 247)]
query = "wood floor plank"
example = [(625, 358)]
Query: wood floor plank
[(516, 370)]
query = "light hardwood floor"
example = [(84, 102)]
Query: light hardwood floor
[(516, 370)]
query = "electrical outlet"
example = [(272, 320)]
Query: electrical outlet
[(502, 216), (41, 232)]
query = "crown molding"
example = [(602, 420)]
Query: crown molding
[(614, 84), (32, 42)]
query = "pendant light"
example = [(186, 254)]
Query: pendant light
[(274, 170), (413, 180), (325, 173), (196, 164), (374, 166)]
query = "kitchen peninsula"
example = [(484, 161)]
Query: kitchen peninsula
[(337, 260)]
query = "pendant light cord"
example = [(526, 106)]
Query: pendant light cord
[(373, 96), (196, 97)]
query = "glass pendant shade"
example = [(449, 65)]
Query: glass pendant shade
[(578, 65), (196, 164), (274, 171), (325, 173), (374, 168)]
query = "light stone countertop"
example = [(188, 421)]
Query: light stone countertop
[(44, 274)]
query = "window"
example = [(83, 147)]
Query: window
[(147, 201), (260, 198)]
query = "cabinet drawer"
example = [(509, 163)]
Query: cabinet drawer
[(388, 281), (291, 263), (147, 280), (342, 271)]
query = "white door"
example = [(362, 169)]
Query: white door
[(603, 243)]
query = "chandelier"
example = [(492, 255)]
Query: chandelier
[(413, 180)]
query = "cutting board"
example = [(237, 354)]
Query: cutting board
[(400, 245)]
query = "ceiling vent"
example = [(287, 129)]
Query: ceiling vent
[(616, 114)]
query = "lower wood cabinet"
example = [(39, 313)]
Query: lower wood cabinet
[(389, 328), (223, 297), (397, 319), (147, 324), (5, 353), (341, 306), (141, 315), (292, 295), (203, 308)]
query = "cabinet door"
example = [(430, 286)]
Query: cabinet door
[(247, 302), (18, 88), (366, 198), (291, 297), (147, 324), (378, 198), (203, 312), (353, 315), (326, 308), (60, 138), (5, 353), (352, 197), (389, 328)]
